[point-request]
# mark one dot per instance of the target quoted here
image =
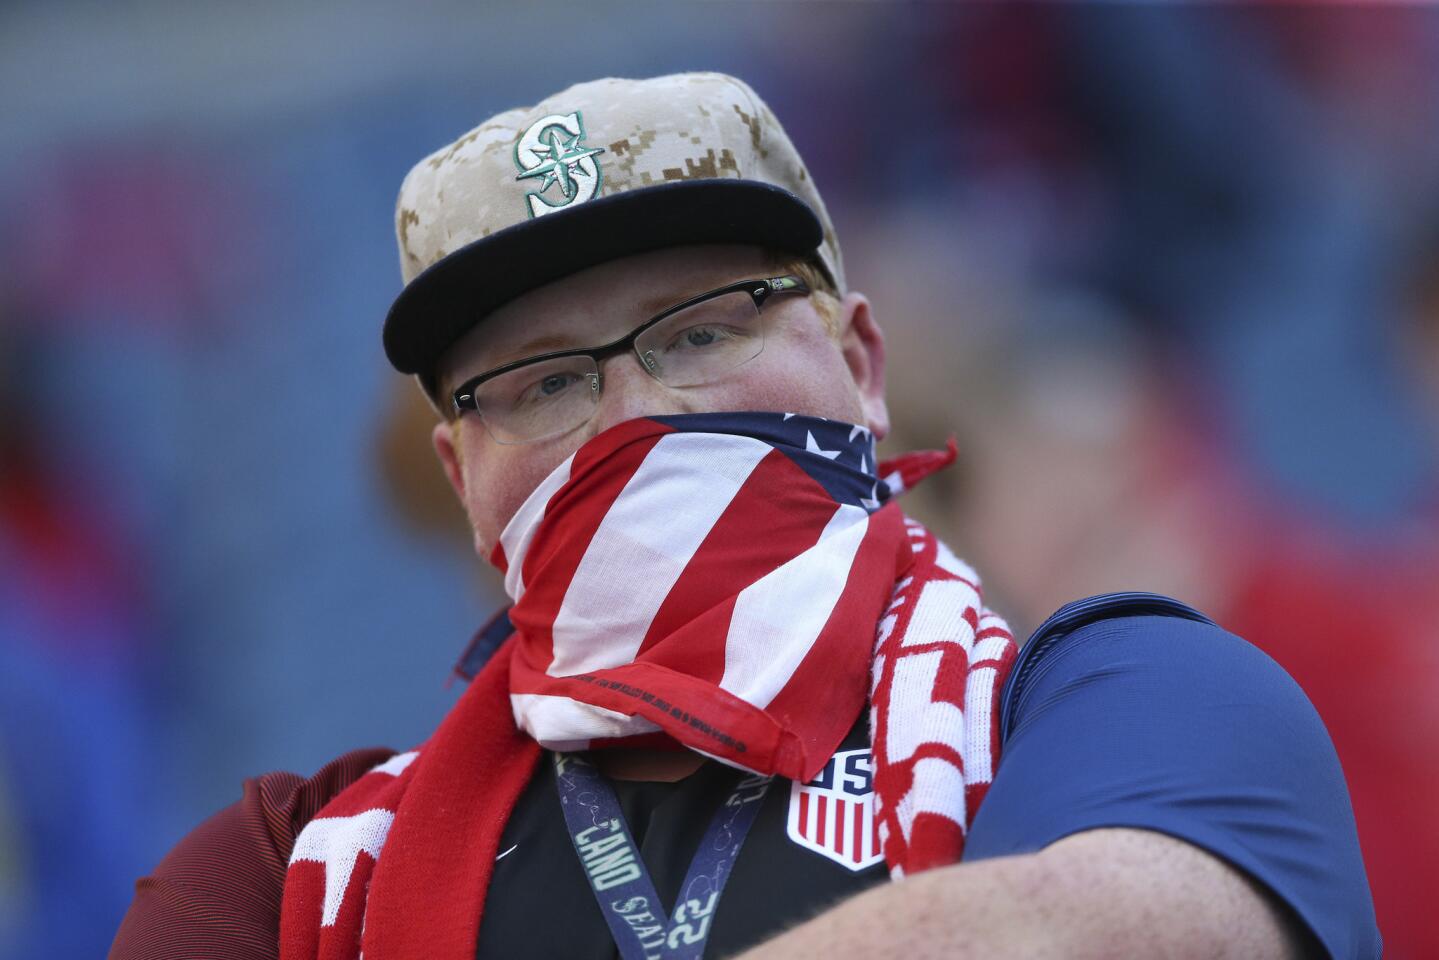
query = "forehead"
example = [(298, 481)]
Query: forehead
[(597, 305)]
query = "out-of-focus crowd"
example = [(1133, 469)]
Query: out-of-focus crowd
[(1170, 276)]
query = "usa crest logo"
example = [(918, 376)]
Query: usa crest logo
[(833, 814)]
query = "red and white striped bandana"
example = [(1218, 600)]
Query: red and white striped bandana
[(699, 580)]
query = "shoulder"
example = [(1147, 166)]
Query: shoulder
[(1138, 685), (218, 891), (1137, 711), (1133, 639), (288, 802)]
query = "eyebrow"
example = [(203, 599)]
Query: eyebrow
[(533, 347), (647, 309)]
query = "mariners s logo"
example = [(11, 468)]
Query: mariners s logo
[(553, 149)]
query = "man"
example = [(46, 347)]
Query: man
[(737, 691)]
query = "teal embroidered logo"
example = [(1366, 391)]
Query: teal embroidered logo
[(553, 148)]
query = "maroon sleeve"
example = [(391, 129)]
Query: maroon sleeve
[(217, 893)]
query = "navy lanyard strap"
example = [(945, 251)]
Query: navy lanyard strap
[(617, 874)]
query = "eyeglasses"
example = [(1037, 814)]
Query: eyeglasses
[(692, 343)]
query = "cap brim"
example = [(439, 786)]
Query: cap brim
[(445, 301)]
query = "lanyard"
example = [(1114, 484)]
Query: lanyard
[(622, 885)]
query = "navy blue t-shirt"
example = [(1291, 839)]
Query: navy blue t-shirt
[(1133, 710), (1127, 710)]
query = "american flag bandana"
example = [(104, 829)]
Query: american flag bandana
[(752, 634), (701, 580)]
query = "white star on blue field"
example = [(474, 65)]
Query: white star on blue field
[(839, 456)]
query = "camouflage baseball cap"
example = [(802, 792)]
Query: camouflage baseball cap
[(602, 170)]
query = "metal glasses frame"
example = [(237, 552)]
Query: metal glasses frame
[(760, 292)]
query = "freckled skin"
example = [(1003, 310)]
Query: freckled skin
[(802, 369)]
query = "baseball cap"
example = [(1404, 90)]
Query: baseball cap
[(599, 171)]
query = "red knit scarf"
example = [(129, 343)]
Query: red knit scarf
[(935, 671)]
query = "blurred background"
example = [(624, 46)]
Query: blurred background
[(1170, 276)]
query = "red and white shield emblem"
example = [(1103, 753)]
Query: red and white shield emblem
[(833, 814)]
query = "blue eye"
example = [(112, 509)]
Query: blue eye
[(556, 382), (703, 336), (548, 387)]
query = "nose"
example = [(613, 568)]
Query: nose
[(629, 392)]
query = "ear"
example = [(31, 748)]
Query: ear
[(445, 440), (861, 341)]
